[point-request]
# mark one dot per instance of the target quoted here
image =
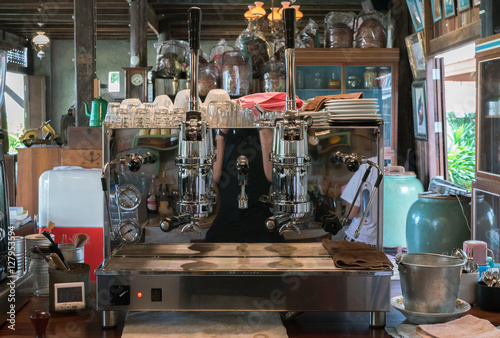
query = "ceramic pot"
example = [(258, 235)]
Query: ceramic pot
[(401, 190), (437, 224)]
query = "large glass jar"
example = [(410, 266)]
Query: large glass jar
[(371, 32), (236, 73), (273, 76), (370, 78), (252, 41), (208, 78)]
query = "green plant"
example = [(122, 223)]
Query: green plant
[(461, 149), (15, 142)]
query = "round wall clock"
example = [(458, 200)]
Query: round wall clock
[(136, 79)]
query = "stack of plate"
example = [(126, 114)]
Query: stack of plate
[(320, 118), (353, 110)]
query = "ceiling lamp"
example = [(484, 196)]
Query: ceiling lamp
[(274, 15), (285, 4), (248, 14), (40, 42), (298, 14), (258, 11)]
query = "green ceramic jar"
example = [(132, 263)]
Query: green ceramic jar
[(401, 190), (437, 224)]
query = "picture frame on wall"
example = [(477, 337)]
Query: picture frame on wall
[(463, 5), (419, 105), (416, 55), (449, 8), (416, 14), (437, 13)]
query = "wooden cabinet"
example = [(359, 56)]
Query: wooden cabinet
[(372, 71), (486, 186), (34, 161)]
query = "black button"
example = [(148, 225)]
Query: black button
[(120, 294), (156, 295)]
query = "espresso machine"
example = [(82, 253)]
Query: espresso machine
[(293, 276)]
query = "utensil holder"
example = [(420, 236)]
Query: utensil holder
[(78, 272)]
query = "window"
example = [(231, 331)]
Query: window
[(14, 106), (114, 82)]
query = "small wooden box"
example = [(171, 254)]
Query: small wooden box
[(85, 138)]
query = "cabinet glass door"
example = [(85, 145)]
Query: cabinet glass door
[(486, 215), (375, 82), (488, 139), (312, 81)]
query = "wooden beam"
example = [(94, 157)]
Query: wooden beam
[(459, 36), (85, 55)]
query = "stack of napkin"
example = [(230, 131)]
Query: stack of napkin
[(467, 326), (318, 102), (272, 101), (357, 256)]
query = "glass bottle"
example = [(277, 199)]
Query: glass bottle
[(333, 83), (370, 77), (152, 204), (164, 200), (40, 270), (208, 78)]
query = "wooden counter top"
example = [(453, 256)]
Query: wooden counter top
[(88, 323)]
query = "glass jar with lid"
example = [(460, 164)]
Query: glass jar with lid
[(317, 82), (208, 78), (384, 77), (236, 72), (370, 78), (272, 76)]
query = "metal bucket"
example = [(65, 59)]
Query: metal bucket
[(72, 254), (429, 282)]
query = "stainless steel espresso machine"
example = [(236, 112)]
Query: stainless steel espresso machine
[(296, 275)]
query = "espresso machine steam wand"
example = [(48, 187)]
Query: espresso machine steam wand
[(196, 154), (289, 199)]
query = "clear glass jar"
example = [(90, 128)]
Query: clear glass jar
[(252, 41), (317, 82), (40, 270), (370, 78), (273, 76), (384, 77), (237, 73), (208, 78)]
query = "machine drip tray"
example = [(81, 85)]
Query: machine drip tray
[(272, 277)]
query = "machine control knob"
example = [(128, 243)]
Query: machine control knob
[(134, 164), (119, 294)]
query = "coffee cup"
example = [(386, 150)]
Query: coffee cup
[(477, 250)]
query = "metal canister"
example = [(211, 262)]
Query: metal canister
[(72, 254), (19, 251)]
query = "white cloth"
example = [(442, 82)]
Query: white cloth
[(368, 233), (202, 324)]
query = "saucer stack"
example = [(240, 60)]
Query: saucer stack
[(353, 111), (320, 118)]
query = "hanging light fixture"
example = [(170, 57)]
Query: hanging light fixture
[(258, 11), (248, 14), (274, 15), (298, 14), (285, 4), (40, 41)]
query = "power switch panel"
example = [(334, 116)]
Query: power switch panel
[(156, 295), (120, 294)]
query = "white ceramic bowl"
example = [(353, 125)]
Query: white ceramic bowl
[(216, 95), (163, 101)]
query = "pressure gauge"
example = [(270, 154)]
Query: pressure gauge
[(130, 232), (129, 196)]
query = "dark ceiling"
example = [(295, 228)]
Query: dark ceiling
[(221, 18)]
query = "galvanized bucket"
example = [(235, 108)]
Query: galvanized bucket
[(72, 254), (429, 282)]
